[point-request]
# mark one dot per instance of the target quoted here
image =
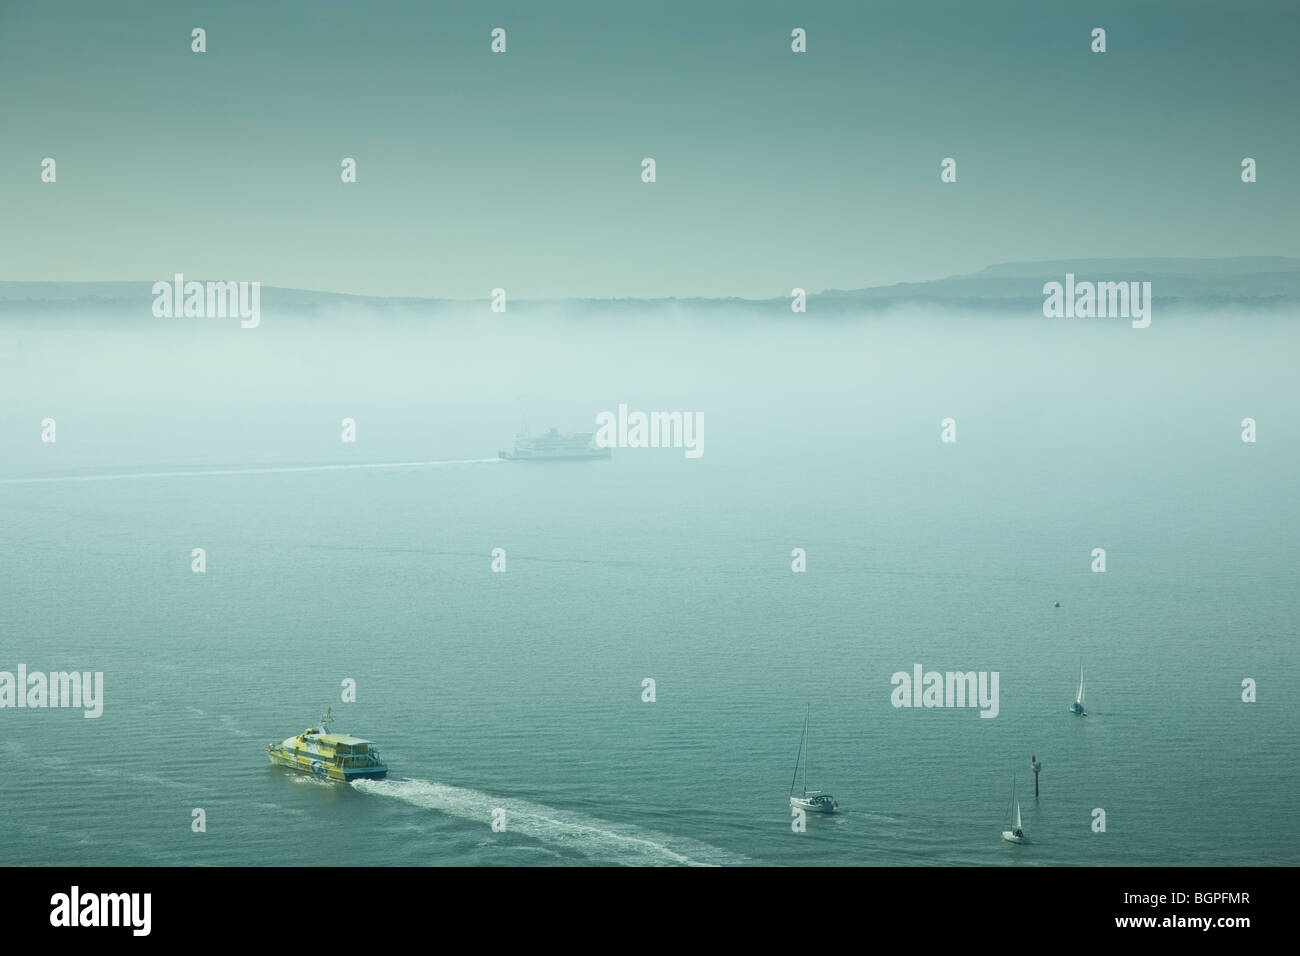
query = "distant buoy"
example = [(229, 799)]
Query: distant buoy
[(1058, 604)]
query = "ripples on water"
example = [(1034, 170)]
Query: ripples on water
[(523, 690)]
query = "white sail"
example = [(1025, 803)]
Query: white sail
[(1078, 698), (1015, 834)]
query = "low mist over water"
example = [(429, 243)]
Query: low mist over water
[(523, 690)]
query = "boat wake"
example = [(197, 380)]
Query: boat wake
[(247, 471), (599, 840)]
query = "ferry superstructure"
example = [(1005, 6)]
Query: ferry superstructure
[(324, 754), (552, 446)]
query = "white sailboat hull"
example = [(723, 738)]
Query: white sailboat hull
[(826, 805), (1012, 838)]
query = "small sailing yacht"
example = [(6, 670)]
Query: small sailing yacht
[(1077, 707), (1016, 834), (813, 801)]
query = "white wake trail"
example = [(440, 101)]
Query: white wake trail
[(247, 471), (596, 839)]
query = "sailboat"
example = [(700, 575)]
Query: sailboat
[(813, 801), (1016, 834), (1077, 707)]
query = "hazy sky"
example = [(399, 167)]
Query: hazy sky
[(522, 170)]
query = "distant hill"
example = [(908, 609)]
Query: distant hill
[(1246, 282), (1237, 265), (132, 292)]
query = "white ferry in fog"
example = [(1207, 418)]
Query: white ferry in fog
[(552, 446)]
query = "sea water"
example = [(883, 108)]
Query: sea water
[(524, 691)]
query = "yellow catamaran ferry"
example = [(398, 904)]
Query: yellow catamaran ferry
[(336, 756)]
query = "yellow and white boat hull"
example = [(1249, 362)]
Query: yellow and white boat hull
[(334, 756)]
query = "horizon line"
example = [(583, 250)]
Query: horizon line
[(661, 298)]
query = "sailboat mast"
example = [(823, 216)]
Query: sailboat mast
[(805, 750), (802, 740)]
